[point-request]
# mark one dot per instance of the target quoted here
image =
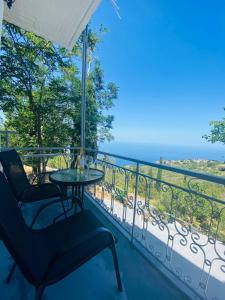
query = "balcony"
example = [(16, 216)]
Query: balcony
[(169, 223)]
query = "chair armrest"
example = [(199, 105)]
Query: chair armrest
[(39, 211)]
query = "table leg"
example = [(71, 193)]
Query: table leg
[(78, 197), (74, 197), (65, 211), (82, 197)]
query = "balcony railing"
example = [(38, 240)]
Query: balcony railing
[(175, 217)]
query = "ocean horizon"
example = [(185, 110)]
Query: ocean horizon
[(153, 152)]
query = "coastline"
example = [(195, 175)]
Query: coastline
[(153, 152)]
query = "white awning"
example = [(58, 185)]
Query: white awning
[(59, 21)]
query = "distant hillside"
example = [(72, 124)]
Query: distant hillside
[(199, 165)]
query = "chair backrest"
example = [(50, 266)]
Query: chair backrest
[(14, 171), (21, 241)]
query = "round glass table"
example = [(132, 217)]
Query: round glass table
[(77, 179)]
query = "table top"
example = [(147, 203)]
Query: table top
[(76, 177)]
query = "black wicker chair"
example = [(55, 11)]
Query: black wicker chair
[(19, 183), (21, 187), (47, 255), (25, 192)]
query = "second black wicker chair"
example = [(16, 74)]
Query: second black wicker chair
[(25, 192), (19, 183)]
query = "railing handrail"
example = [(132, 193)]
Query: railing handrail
[(202, 176), (40, 148), (199, 175)]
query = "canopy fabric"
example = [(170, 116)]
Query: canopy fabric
[(59, 21)]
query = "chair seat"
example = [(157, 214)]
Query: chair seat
[(78, 237), (40, 192)]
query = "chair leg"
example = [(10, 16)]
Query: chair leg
[(13, 267), (9, 277), (116, 266), (65, 212), (39, 292)]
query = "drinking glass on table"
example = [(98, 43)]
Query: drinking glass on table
[(89, 162)]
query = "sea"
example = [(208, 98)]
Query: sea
[(153, 152)]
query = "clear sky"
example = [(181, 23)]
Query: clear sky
[(168, 59)]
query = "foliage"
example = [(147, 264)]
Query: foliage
[(217, 132), (40, 91)]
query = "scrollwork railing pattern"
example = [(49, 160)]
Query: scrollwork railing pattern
[(177, 221)]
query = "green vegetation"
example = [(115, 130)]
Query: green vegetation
[(40, 91), (217, 132)]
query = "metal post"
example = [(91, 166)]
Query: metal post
[(7, 139), (135, 200), (84, 78)]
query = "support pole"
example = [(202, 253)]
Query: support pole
[(84, 79), (7, 139)]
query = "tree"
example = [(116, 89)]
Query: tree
[(40, 91), (217, 132)]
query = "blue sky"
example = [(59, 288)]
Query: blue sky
[(168, 59)]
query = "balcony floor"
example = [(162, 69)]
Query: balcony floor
[(96, 279)]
